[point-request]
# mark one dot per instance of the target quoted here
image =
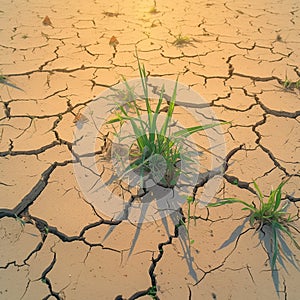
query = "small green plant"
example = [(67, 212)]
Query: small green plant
[(190, 200), (46, 230), (289, 84), (269, 213), (186, 224), (20, 221), (181, 40), (155, 150), (152, 292)]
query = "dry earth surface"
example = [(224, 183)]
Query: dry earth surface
[(236, 54)]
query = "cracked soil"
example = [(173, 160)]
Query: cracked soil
[(237, 54)]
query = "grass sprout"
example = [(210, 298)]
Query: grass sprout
[(155, 150), (289, 84), (271, 212), (181, 40), (152, 291), (190, 201)]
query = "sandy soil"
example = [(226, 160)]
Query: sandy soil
[(55, 244)]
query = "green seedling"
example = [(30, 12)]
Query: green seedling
[(181, 40), (155, 150), (152, 292), (46, 230), (270, 213), (187, 229), (190, 200), (22, 224), (287, 83), (20, 221)]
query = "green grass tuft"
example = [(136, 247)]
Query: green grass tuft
[(288, 84), (270, 213), (154, 148)]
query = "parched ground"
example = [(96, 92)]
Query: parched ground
[(241, 56)]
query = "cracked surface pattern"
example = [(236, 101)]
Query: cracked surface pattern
[(55, 244)]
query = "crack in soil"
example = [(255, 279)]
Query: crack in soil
[(192, 59)]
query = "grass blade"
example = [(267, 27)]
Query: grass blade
[(153, 127), (230, 201), (278, 195), (143, 76), (170, 110), (269, 206), (188, 131), (131, 95), (259, 193)]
